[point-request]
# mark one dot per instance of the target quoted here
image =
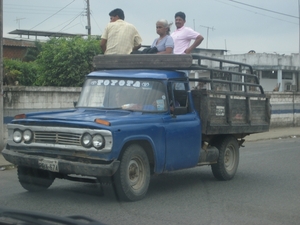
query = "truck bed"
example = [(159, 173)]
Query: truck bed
[(232, 113), (230, 99)]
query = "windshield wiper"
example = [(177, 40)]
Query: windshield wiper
[(120, 108), (20, 217), (116, 108)]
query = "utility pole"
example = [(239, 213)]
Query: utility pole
[(299, 32), (212, 28), (88, 14), (194, 23), (1, 78)]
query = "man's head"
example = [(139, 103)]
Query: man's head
[(116, 14), (179, 19)]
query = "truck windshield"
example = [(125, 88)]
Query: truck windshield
[(128, 94)]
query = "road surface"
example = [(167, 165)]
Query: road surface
[(265, 190)]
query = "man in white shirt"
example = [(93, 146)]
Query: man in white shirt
[(183, 36)]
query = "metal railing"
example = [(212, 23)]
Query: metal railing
[(222, 68)]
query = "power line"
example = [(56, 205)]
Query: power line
[(32, 6), (53, 14), (72, 26), (33, 9), (264, 9), (41, 12), (71, 21), (61, 24), (255, 12), (96, 21)]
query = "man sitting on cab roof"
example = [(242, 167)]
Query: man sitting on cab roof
[(119, 37)]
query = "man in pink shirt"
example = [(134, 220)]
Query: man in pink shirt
[(182, 36)]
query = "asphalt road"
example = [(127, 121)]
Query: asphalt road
[(265, 190)]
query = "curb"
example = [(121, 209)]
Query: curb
[(7, 167), (272, 138)]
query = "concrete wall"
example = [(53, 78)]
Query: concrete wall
[(21, 99), (285, 109)]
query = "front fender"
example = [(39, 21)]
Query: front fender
[(156, 148)]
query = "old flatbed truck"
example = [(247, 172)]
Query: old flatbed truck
[(137, 116)]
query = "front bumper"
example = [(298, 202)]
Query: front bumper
[(65, 166)]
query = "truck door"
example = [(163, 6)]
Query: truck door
[(183, 130)]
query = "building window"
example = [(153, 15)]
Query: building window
[(287, 75), (272, 74)]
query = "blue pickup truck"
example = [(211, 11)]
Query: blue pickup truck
[(139, 115)]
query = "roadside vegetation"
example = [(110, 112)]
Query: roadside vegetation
[(57, 62)]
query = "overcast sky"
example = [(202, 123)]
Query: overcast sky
[(237, 26)]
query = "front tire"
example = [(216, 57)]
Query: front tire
[(228, 160), (133, 176), (33, 179)]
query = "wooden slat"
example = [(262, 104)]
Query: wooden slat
[(242, 115), (142, 61)]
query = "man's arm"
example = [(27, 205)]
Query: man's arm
[(136, 47), (137, 40), (197, 42), (103, 45)]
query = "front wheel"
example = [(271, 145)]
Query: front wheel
[(228, 160), (35, 179), (133, 176)]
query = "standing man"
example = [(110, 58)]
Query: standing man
[(182, 36), (119, 36)]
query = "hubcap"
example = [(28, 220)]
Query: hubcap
[(229, 158), (136, 173)]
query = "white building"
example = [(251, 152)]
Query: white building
[(276, 72)]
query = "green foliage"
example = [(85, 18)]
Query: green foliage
[(32, 53), (66, 61), (16, 71)]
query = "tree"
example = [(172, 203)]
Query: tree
[(66, 61), (18, 72), (32, 53)]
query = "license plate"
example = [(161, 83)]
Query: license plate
[(49, 164)]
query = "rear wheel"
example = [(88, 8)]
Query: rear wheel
[(35, 179), (133, 176), (228, 160)]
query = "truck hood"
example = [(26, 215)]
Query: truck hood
[(82, 115)]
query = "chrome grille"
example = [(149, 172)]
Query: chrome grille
[(57, 138)]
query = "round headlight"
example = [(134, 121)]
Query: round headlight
[(17, 136), (27, 135), (98, 141), (86, 140)]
